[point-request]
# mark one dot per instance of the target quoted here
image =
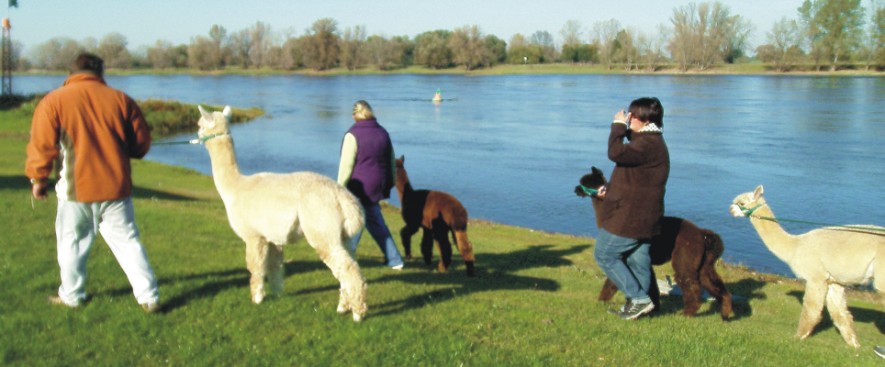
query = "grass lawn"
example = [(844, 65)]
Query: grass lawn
[(533, 302)]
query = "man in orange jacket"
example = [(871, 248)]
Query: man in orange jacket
[(91, 131)]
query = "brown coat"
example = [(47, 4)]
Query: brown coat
[(634, 200), (92, 130)]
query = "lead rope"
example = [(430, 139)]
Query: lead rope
[(749, 213)]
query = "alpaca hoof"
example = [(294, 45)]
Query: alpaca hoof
[(357, 317), (342, 309), (470, 271), (257, 299)]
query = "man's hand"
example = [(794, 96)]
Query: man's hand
[(38, 189)]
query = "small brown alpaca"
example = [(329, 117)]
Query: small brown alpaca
[(437, 213), (693, 252)]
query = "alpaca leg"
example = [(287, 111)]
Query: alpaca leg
[(406, 238), (427, 246), (691, 291), (256, 262), (608, 290), (711, 281), (812, 305), (274, 268), (837, 306), (441, 235), (352, 285), (465, 248)]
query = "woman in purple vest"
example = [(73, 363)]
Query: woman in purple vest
[(367, 169)]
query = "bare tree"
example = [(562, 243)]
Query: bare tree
[(291, 54), (544, 41), (241, 47), (605, 35), (321, 46), (112, 49), (706, 34), (571, 33), (352, 47), (783, 45), (261, 41), (56, 54), (469, 48)]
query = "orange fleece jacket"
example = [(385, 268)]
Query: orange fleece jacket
[(89, 131)]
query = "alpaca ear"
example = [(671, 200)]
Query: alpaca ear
[(402, 158), (758, 193), (226, 112), (207, 117)]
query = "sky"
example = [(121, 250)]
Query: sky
[(143, 23)]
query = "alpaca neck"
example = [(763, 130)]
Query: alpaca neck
[(597, 210), (779, 242), (403, 186), (225, 171)]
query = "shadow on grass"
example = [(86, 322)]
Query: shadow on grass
[(15, 182), (21, 182), (861, 315), (493, 272)]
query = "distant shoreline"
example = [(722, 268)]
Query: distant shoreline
[(507, 69)]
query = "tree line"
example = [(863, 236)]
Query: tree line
[(825, 33)]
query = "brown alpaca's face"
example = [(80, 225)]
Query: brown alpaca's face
[(593, 180)]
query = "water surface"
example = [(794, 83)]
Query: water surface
[(512, 148)]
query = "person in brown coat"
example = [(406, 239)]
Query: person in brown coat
[(634, 202)]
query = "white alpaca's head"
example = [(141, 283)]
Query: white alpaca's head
[(747, 201), (213, 122)]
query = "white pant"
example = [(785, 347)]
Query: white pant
[(75, 228)]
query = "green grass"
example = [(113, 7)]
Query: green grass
[(533, 302)]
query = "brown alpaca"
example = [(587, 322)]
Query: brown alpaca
[(693, 251), (438, 213)]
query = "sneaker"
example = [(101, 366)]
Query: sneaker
[(880, 351), (637, 309), (397, 267), (150, 307), (56, 300), (618, 311)]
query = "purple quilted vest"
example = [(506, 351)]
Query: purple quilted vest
[(370, 180)]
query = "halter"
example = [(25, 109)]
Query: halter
[(748, 212), (588, 190)]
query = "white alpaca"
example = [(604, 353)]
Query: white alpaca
[(268, 210), (827, 259)]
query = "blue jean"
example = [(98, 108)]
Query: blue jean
[(381, 234), (626, 262)]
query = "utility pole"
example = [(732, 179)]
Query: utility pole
[(7, 59)]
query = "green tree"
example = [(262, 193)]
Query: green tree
[(432, 49), (833, 27), (497, 47)]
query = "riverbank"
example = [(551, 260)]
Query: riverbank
[(532, 303), (507, 69)]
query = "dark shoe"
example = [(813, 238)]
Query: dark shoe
[(637, 309), (880, 351)]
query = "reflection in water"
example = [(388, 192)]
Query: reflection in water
[(512, 148)]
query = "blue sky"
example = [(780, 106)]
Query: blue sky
[(145, 22)]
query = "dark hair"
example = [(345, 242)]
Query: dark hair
[(89, 63), (648, 109)]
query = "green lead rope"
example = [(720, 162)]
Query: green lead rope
[(589, 191), (749, 212)]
